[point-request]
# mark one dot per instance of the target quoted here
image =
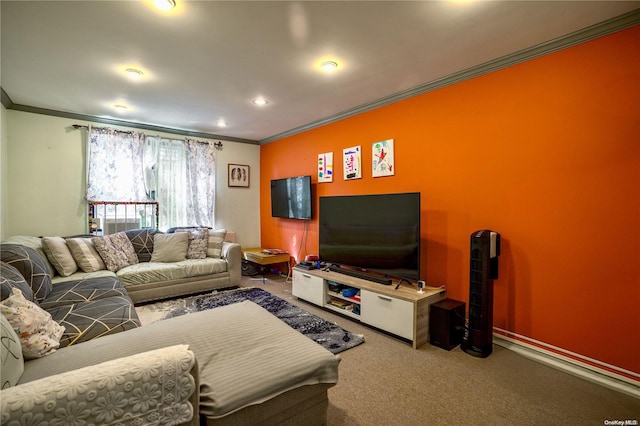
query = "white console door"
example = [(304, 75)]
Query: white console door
[(387, 313), (308, 287)]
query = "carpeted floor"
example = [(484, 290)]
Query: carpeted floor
[(387, 382), (325, 333)]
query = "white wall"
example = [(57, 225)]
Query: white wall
[(44, 180), (3, 171)]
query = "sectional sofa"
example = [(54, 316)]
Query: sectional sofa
[(146, 274), (236, 364)]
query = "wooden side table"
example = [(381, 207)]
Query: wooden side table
[(256, 255)]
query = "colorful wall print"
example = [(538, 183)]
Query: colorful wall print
[(325, 167), (382, 158), (352, 162)]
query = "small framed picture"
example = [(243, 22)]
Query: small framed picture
[(238, 175)]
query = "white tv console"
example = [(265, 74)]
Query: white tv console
[(403, 312)]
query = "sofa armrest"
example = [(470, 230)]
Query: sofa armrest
[(156, 387), (232, 253)]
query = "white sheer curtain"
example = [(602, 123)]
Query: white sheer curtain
[(201, 182), (169, 157), (178, 174), (114, 164)]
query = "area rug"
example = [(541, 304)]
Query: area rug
[(333, 338)]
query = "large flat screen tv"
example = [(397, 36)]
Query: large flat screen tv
[(375, 233), (291, 197)]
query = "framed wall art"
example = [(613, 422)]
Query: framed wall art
[(238, 175)]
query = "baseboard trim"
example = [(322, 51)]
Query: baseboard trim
[(625, 381)]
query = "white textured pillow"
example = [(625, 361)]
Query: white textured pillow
[(85, 254), (59, 255), (216, 238), (170, 247), (39, 333), (12, 360)]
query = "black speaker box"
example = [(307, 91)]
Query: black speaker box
[(446, 323)]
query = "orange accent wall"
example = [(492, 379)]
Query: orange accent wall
[(547, 153)]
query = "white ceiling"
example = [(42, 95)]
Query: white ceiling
[(207, 60)]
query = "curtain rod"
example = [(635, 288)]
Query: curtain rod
[(218, 145)]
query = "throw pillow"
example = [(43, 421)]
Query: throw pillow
[(39, 333), (115, 250), (31, 265), (170, 247), (85, 254), (10, 278), (35, 243), (216, 238), (142, 241), (12, 362), (59, 255), (198, 242)]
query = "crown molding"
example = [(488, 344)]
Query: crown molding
[(8, 104), (610, 26)]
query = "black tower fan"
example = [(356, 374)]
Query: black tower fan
[(485, 249)]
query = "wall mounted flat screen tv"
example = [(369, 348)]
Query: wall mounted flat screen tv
[(291, 197), (374, 233)]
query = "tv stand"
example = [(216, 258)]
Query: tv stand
[(361, 274), (402, 312)]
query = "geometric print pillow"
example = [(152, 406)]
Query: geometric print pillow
[(10, 278), (12, 360), (142, 241), (31, 265)]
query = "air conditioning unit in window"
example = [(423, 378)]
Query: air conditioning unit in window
[(113, 226)]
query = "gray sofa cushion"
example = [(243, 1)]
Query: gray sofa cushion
[(86, 290), (31, 265), (84, 321), (10, 277)]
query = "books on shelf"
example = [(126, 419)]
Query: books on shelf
[(342, 304)]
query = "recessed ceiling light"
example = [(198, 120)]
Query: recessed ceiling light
[(329, 65), (121, 107), (260, 101), (221, 123), (134, 73), (165, 4)]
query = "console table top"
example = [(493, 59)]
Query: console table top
[(405, 291)]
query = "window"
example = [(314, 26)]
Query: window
[(129, 166)]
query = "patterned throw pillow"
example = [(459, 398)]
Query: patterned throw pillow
[(198, 242), (39, 333), (31, 265), (59, 255), (115, 250), (12, 362), (85, 254), (216, 238)]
